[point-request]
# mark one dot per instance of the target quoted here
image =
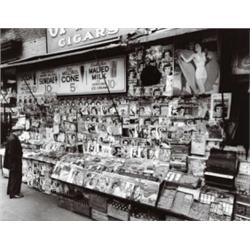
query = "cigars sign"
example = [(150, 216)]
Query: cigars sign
[(62, 39), (79, 79)]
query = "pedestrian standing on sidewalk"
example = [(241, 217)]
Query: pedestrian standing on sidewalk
[(13, 162)]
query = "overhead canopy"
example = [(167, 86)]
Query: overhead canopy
[(134, 39), (50, 57), (165, 33)]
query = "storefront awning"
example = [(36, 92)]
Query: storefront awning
[(50, 57), (140, 39), (165, 33)]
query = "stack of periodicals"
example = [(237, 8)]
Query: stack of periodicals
[(220, 201), (242, 181)]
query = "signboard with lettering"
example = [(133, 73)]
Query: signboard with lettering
[(114, 72), (87, 78), (24, 79), (63, 39)]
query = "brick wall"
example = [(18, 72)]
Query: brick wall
[(33, 41)]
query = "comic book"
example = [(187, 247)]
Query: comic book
[(146, 192)]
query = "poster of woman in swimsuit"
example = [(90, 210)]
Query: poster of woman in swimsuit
[(196, 68)]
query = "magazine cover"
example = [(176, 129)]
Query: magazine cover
[(164, 110), (145, 109), (152, 154), (146, 192), (156, 109), (164, 153), (166, 199), (161, 170), (215, 131), (133, 109), (64, 173), (123, 110), (198, 143), (154, 133), (56, 171), (220, 106), (143, 152), (196, 165), (71, 139), (76, 176), (117, 187), (196, 67), (147, 91), (91, 127), (105, 150), (104, 183), (91, 180), (182, 203), (134, 152), (117, 151), (157, 91)]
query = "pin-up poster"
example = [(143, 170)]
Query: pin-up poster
[(197, 69)]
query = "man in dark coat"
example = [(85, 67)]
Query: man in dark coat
[(13, 162)]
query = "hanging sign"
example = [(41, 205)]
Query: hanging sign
[(87, 78), (26, 82), (114, 72), (62, 39)]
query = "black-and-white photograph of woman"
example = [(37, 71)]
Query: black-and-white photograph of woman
[(200, 69)]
